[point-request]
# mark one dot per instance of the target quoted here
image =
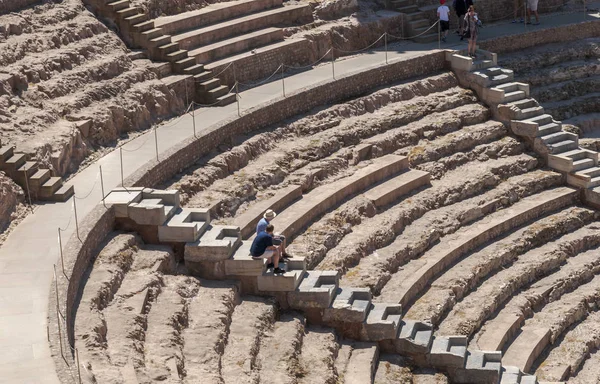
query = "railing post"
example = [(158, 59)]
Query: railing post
[(332, 62), (27, 186), (385, 43), (60, 249), (439, 34), (282, 80), (102, 186), (237, 98), (78, 368), (194, 118), (156, 142), (121, 155), (76, 221)]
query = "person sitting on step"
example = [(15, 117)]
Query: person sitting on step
[(263, 248), (277, 238)]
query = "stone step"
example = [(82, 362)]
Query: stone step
[(64, 193), (202, 76), (137, 19), (212, 14), (158, 41), (316, 290), (218, 243), (528, 113), (248, 220), (183, 65), (176, 56), (549, 128), (5, 153), (419, 23), (39, 178), (416, 15), (510, 375), (213, 95), (480, 367), (514, 96), (426, 38), (525, 103), (216, 32), (26, 170), (527, 347), (579, 165), (404, 286), (383, 322), (118, 5), (590, 172), (448, 351), (186, 225), (14, 162), (414, 337), (349, 305), (226, 99), (558, 137), (52, 185), (288, 282), (128, 12), (482, 64), (194, 69), (234, 45), (326, 197), (143, 26), (165, 49), (563, 146), (242, 264), (395, 4), (392, 189), (513, 87), (207, 85), (505, 327), (151, 211)]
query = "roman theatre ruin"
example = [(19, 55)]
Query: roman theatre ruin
[(442, 211)]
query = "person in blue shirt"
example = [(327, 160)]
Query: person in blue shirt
[(263, 248), (277, 238)]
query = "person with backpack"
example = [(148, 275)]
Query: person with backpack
[(460, 7), (443, 13), (472, 24)]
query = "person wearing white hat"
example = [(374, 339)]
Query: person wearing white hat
[(277, 238)]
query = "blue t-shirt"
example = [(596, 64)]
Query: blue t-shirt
[(260, 244), (261, 226)]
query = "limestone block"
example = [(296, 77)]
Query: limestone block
[(528, 379), (287, 282), (316, 290), (461, 63), (480, 367), (350, 305), (186, 226), (218, 243), (449, 351), (242, 264), (169, 197), (383, 322), (150, 212), (120, 198), (524, 128), (415, 337), (510, 375)]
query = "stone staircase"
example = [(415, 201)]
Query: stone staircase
[(218, 252), (38, 181), (417, 24), (219, 34), (511, 104)]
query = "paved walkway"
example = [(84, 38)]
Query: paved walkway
[(28, 255)]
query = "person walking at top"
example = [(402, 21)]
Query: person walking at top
[(472, 22), (443, 13), (460, 7), (532, 6), (517, 4)]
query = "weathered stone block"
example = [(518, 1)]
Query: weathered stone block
[(218, 243), (316, 290), (383, 322), (350, 305), (449, 351)]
